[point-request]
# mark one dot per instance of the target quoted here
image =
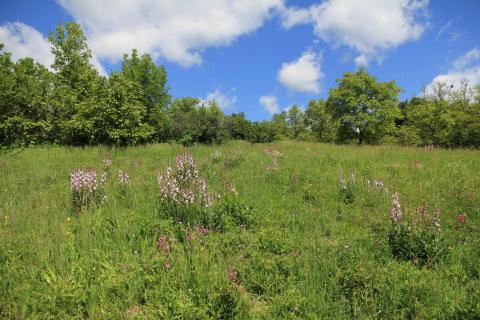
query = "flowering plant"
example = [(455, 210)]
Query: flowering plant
[(184, 193), (85, 188), (420, 243)]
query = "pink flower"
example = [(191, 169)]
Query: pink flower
[(183, 183), (163, 244), (395, 211), (123, 177), (83, 180), (461, 218), (107, 163), (202, 230), (233, 274)]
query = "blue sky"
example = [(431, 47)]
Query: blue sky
[(262, 56)]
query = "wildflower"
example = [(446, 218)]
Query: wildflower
[(418, 164), (84, 186), (163, 244), (274, 154), (379, 185), (395, 211), (183, 184), (461, 218), (6, 220), (123, 177), (232, 274), (83, 180), (189, 235), (352, 176), (107, 163), (341, 179), (436, 219), (103, 179), (233, 190), (202, 230)]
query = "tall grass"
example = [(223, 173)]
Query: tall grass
[(307, 251)]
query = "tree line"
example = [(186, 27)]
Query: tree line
[(71, 104)]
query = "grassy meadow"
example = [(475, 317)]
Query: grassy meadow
[(297, 242)]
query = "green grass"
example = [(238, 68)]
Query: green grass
[(309, 254)]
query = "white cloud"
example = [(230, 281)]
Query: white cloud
[(369, 26), (24, 41), (224, 100), (361, 60), (442, 29), (302, 75), (269, 103), (471, 58), (176, 30), (465, 71)]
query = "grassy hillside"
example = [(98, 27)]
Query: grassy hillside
[(295, 243)]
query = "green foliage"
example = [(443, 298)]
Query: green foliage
[(421, 246), (262, 132), (366, 109), (280, 126), (120, 118), (237, 126), (193, 121), (320, 121), (76, 87), (296, 120), (74, 105), (440, 122), (24, 113), (153, 90)]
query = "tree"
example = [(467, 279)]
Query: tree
[(154, 95), (262, 132), (119, 118), (183, 115), (365, 108), (76, 85), (320, 121), (280, 126), (24, 110), (211, 124), (237, 126), (296, 120)]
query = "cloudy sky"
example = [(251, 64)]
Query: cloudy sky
[(262, 56)]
